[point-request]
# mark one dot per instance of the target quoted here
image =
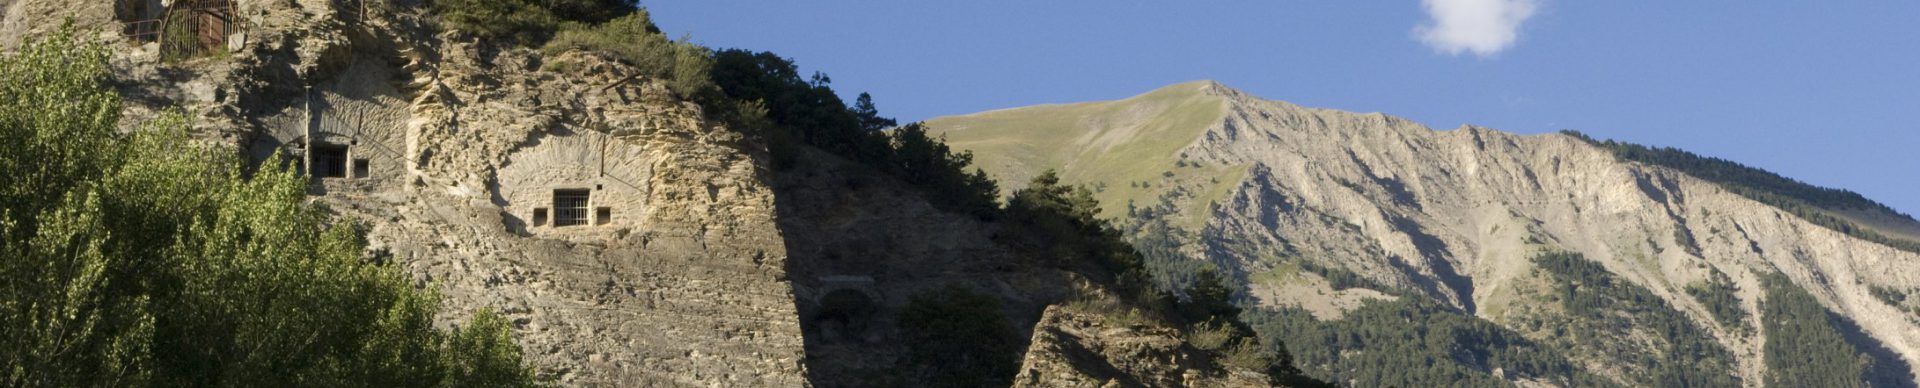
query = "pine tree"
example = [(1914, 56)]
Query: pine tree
[(869, 116)]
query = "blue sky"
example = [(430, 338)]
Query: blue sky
[(1822, 91)]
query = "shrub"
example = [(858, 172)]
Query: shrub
[(958, 338), (633, 39), (517, 21), (527, 21), (1211, 336)]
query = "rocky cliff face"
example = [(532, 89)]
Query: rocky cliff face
[(1073, 348), (1260, 187), (463, 165), (631, 241)]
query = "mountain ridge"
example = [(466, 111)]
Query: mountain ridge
[(1381, 203)]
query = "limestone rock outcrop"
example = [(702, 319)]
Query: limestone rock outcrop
[(1080, 349)]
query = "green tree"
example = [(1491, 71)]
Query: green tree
[(958, 338), (1209, 299), (1803, 347), (1670, 350), (807, 111), (805, 107), (928, 163), (1720, 296), (595, 11), (869, 116), (146, 259), (1413, 342), (529, 22)]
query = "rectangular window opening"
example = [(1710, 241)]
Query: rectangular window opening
[(362, 169), (601, 216), (540, 216), (329, 161), (570, 207)]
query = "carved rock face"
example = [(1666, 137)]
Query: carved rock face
[(680, 282)]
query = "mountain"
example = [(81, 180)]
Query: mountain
[(1632, 265), (638, 211), (634, 223)]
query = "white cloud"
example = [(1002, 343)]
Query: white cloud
[(1484, 27)]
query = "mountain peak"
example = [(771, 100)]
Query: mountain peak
[(1195, 88)]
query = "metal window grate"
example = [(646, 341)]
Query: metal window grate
[(329, 161), (570, 207)]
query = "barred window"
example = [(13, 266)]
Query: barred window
[(329, 161), (570, 207)]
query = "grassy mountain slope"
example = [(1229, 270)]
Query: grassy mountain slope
[(1113, 146)]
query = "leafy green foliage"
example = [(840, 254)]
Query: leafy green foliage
[(1803, 348), (1718, 293), (1063, 221), (1160, 245), (634, 40), (868, 115), (1803, 200), (1412, 342), (144, 259), (594, 11), (1209, 299), (527, 21), (941, 174), (520, 21), (807, 111), (958, 338), (1604, 311), (483, 355), (805, 107)]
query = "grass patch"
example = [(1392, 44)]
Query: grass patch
[(1117, 143)]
